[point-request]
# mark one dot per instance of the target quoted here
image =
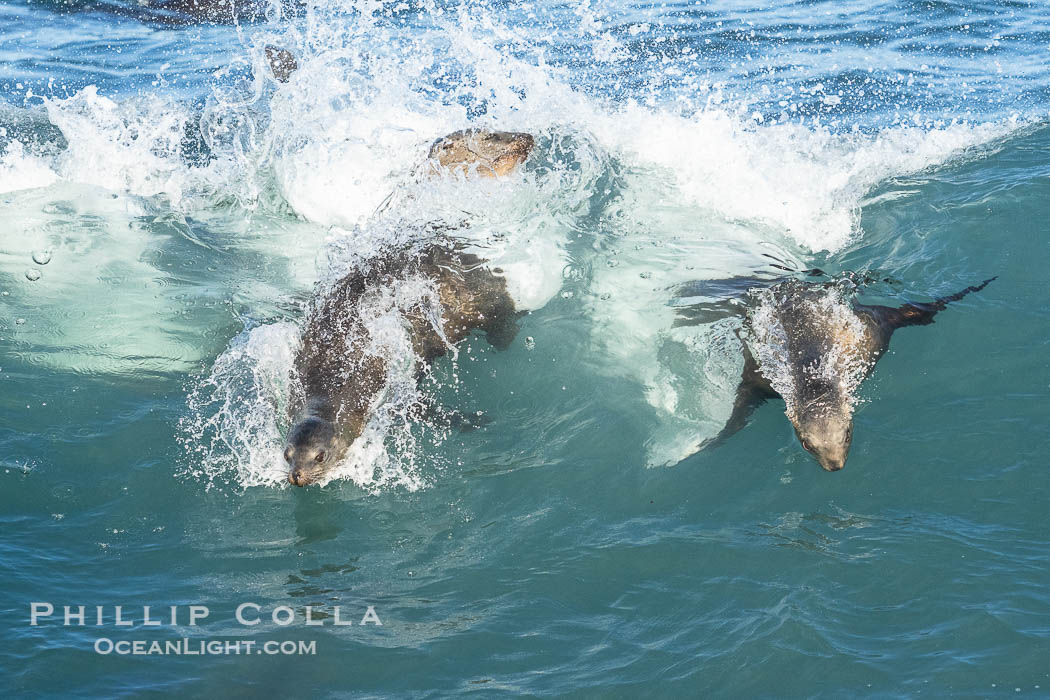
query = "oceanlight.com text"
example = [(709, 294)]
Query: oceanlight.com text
[(203, 647)]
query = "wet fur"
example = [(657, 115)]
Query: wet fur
[(490, 153), (282, 63), (340, 378)]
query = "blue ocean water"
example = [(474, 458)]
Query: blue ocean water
[(166, 209)]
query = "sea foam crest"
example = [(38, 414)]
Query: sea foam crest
[(21, 169), (805, 181), (368, 99), (131, 146)]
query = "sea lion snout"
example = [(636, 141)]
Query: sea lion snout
[(832, 465), (827, 435), (297, 475), (831, 456)]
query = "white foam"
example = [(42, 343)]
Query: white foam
[(20, 170), (238, 413), (130, 146), (358, 115), (807, 182)]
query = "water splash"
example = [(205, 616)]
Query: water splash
[(21, 169), (241, 411), (131, 146), (790, 316), (238, 412)]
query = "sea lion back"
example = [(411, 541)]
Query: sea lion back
[(471, 295)]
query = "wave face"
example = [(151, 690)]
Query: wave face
[(170, 213)]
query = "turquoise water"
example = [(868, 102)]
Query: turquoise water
[(185, 205)]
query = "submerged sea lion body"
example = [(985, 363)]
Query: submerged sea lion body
[(341, 376), (813, 350)]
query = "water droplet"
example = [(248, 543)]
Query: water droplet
[(20, 322), (645, 275), (566, 295), (530, 342), (4, 294), (42, 257), (612, 263), (32, 275)]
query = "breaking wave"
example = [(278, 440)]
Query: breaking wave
[(625, 197)]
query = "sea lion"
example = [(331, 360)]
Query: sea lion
[(810, 345), (485, 152), (488, 153), (282, 63), (341, 375)]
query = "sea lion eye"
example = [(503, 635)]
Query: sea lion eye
[(321, 456), (288, 454), (806, 446)]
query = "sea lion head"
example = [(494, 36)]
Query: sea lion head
[(313, 448), (825, 430), (490, 153)]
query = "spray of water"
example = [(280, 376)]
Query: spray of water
[(241, 411), (790, 316)]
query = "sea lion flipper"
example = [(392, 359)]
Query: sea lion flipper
[(731, 288), (502, 330), (707, 312), (494, 310), (753, 391), (916, 314), (747, 400), (724, 298), (481, 151)]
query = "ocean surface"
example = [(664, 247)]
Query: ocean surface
[(168, 209)]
